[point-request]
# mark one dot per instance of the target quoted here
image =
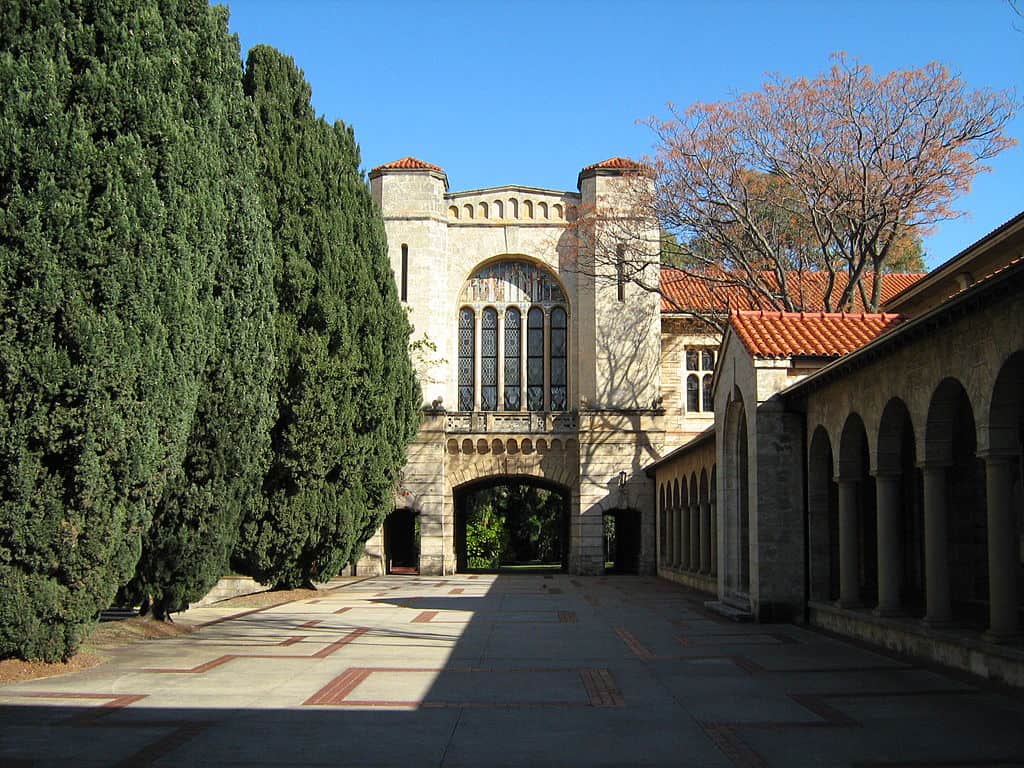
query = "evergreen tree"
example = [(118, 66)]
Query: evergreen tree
[(106, 286), (195, 526), (346, 396)]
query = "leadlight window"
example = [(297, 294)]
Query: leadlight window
[(559, 390), (466, 350), (489, 359), (513, 357), (521, 362), (535, 359), (700, 364)]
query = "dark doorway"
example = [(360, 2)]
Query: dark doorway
[(622, 541), (512, 524), (402, 541)]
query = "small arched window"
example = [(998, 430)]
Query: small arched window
[(467, 347), (709, 400), (692, 393), (513, 356), (535, 359), (559, 353)]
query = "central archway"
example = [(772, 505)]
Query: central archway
[(511, 522)]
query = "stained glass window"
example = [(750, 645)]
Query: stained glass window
[(535, 359), (559, 391), (513, 356), (466, 350), (709, 401), (489, 359)]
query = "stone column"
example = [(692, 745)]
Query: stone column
[(684, 538), (849, 562), (887, 488), (477, 321), (1003, 563), (705, 537), (695, 542), (669, 533), (677, 542), (522, 358), (939, 610), (714, 538)]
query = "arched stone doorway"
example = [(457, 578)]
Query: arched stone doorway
[(622, 531), (402, 542), (516, 522)]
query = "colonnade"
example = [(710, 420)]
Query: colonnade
[(689, 526)]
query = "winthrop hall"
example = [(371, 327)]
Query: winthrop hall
[(860, 472)]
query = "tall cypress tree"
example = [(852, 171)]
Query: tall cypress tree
[(106, 297), (195, 526), (344, 382)]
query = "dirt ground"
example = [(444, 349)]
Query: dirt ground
[(119, 633)]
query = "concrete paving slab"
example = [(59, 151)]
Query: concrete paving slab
[(495, 670)]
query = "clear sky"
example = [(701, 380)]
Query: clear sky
[(529, 92)]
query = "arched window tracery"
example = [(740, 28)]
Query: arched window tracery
[(520, 360)]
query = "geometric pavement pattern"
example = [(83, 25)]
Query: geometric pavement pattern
[(505, 670)]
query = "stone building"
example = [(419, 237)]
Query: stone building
[(546, 366), (861, 472), (866, 470)]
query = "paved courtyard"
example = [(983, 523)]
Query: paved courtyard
[(504, 670)]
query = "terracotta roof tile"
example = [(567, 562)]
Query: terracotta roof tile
[(409, 164), (807, 334), (620, 163), (683, 291)]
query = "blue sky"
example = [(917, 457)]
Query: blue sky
[(529, 92)]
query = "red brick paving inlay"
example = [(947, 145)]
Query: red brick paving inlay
[(424, 618), (355, 634), (601, 688), (456, 591), (638, 648), (599, 684), (732, 746)]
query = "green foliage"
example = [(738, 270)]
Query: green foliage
[(195, 526), (511, 524), (346, 397), (107, 215)]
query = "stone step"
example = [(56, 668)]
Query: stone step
[(729, 611)]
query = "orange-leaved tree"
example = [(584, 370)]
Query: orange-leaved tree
[(837, 174)]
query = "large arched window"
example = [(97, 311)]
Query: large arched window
[(512, 367)]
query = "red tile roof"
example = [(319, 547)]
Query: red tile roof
[(683, 291), (409, 164), (807, 334), (618, 163)]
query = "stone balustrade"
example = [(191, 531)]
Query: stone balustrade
[(498, 422)]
